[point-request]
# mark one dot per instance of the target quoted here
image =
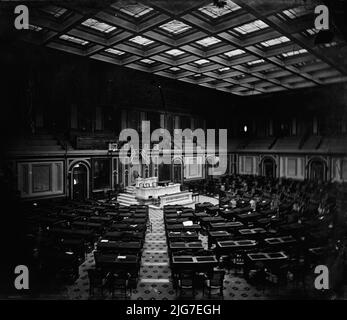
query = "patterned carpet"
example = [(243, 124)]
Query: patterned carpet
[(155, 281), (155, 274)]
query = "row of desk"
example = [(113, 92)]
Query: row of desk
[(69, 230)]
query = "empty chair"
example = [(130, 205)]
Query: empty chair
[(96, 280), (185, 281), (120, 281), (214, 281)]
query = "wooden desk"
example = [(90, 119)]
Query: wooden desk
[(124, 235), (111, 214), (128, 226), (252, 231), (267, 256), (212, 219), (87, 225), (98, 219), (212, 210), (172, 221), (231, 246), (226, 225), (115, 261), (175, 227), (134, 220), (201, 215), (105, 245), (196, 263), (269, 259), (178, 215), (249, 216), (184, 235), (85, 212), (280, 241), (88, 235), (197, 245), (69, 216), (214, 236)]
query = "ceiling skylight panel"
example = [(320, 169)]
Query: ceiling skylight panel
[(141, 41), (293, 53), (175, 27), (201, 62), (234, 53), (224, 69), (295, 12), (275, 41), (251, 27), (54, 11), (147, 61), (209, 41), (34, 28), (215, 12), (115, 51), (98, 25), (174, 52), (255, 62), (73, 39), (136, 10)]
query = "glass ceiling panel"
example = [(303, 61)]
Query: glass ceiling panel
[(254, 62), (73, 39), (293, 53), (201, 62), (54, 10), (136, 10), (97, 25), (175, 27), (234, 53), (115, 51), (34, 28), (224, 69), (174, 52), (295, 12), (251, 27), (147, 61), (275, 41), (141, 41), (215, 12), (209, 41), (312, 31)]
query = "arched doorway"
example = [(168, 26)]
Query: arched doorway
[(268, 167), (79, 182), (317, 170), (177, 171), (164, 172)]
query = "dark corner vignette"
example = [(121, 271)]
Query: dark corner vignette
[(173, 155)]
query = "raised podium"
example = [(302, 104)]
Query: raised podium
[(147, 189)]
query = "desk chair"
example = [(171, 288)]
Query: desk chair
[(120, 281), (213, 281), (185, 281), (96, 280)]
